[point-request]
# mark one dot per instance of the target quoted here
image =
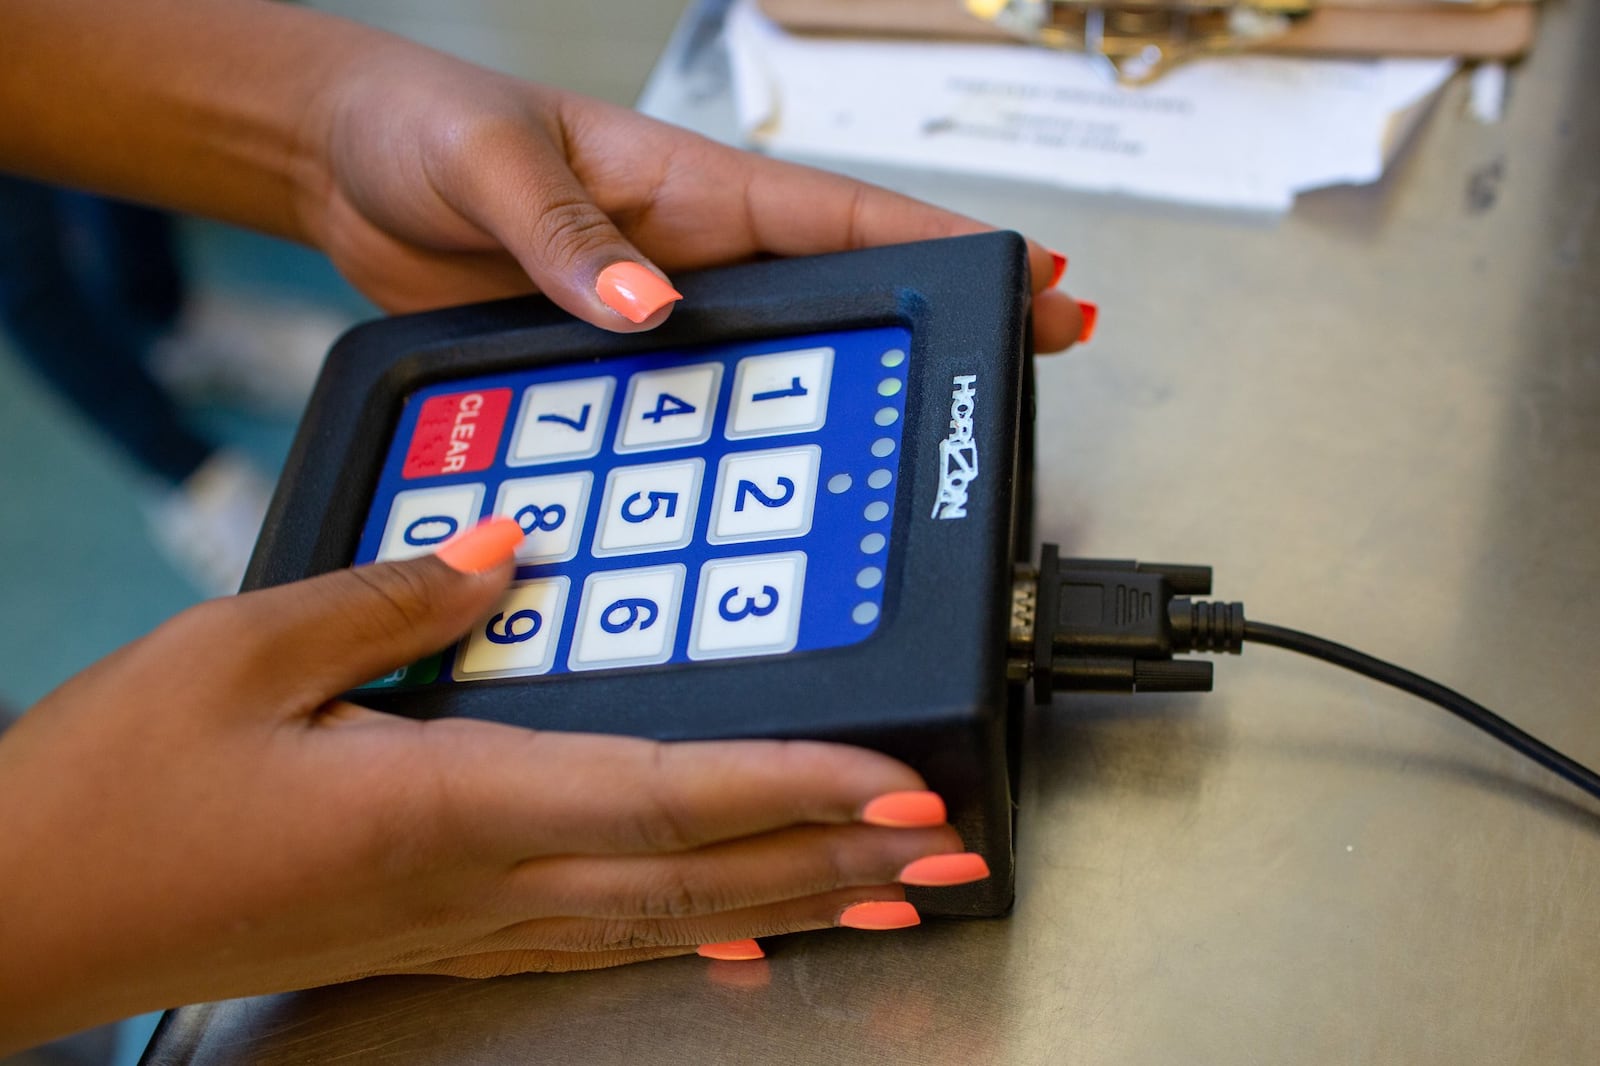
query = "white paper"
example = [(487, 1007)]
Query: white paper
[(1241, 132)]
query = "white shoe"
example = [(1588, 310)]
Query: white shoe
[(262, 356), (208, 525)]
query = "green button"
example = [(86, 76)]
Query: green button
[(421, 672)]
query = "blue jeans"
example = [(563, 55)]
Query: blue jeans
[(86, 285)]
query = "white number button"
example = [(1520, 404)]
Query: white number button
[(765, 495), (748, 606), (627, 617), (669, 408), (560, 421), (649, 508), (520, 636), (420, 520), (786, 392), (550, 511)]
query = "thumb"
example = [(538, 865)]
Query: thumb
[(526, 195), (320, 637)]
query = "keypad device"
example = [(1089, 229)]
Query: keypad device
[(683, 506)]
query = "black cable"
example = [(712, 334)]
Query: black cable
[(1419, 686), (1115, 625)]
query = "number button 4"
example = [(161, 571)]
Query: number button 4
[(669, 408), (627, 618), (765, 495)]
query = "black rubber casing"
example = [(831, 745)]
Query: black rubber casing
[(929, 687)]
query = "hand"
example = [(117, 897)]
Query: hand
[(199, 816), (447, 183)]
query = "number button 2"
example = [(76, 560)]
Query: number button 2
[(765, 495)]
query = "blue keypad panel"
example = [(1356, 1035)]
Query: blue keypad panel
[(689, 505)]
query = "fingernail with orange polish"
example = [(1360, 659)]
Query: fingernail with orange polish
[(633, 291), (483, 547), (1091, 314), (904, 810), (731, 951), (880, 914), (937, 871), (1058, 263)]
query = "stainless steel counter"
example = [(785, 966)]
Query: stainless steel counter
[(1379, 418)]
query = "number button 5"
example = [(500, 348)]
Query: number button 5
[(649, 508)]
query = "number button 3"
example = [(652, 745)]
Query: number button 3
[(748, 606)]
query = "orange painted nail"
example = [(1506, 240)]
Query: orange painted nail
[(936, 871), (731, 951), (904, 810), (483, 547), (1059, 264), (880, 914), (634, 291), (1091, 314)]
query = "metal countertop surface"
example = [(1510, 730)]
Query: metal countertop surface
[(1379, 419)]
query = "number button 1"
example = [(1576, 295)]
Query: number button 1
[(561, 420), (748, 606), (669, 408), (765, 495), (627, 618), (520, 637), (785, 392)]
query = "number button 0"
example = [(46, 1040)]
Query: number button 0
[(748, 606), (765, 495), (550, 511), (561, 421), (669, 408), (649, 508), (520, 636), (785, 392), (627, 618), (420, 520)]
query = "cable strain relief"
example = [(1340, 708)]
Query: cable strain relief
[(1206, 625)]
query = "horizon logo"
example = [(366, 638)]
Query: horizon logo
[(958, 453)]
